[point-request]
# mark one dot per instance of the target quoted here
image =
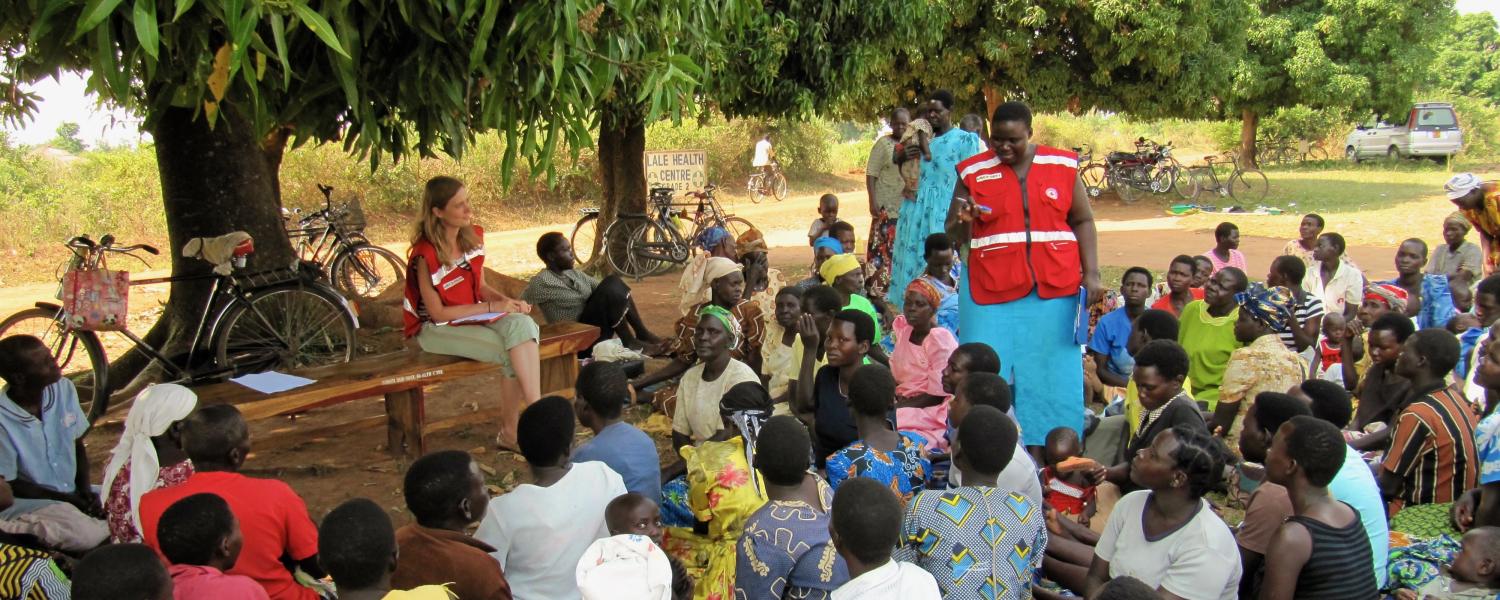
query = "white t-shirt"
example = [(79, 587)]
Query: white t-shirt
[(762, 153), (539, 533), (1019, 476), (1346, 287), (1199, 561), (891, 581)]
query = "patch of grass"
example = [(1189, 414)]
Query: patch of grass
[(1370, 204)]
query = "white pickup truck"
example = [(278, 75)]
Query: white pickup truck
[(1429, 129)]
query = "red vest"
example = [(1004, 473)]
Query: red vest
[(456, 284), (1024, 241)]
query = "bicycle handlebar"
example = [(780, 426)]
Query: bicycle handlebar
[(106, 244)]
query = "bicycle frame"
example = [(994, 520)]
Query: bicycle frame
[(223, 286)]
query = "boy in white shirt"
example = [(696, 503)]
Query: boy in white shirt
[(539, 530), (865, 527)]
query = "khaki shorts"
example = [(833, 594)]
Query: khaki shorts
[(490, 342)]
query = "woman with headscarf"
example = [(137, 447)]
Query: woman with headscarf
[(715, 242), (918, 362), (1479, 201), (149, 456), (705, 510), (724, 283), (1264, 363), (696, 416), (1457, 254), (847, 277), (823, 248)]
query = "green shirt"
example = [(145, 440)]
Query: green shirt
[(862, 304), (1209, 341)]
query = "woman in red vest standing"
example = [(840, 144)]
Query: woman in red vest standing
[(446, 283), (1021, 210)]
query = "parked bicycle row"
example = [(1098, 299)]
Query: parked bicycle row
[(1152, 169)]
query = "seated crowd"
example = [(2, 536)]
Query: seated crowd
[(808, 461)]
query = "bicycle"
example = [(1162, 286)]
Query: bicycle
[(1244, 185), (761, 186), (1091, 172), (251, 322), (1150, 168), (638, 245), (333, 240)]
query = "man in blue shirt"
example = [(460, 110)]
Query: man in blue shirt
[(1112, 360), (602, 391), (41, 431)]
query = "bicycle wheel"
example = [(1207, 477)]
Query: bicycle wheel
[(778, 186), (654, 249), (1249, 186), (757, 188), (620, 247), (1163, 178), (1123, 188), (1315, 153), (367, 272), (582, 240), (285, 327), (1093, 180), (77, 352), (736, 226)]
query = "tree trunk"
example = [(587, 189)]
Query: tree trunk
[(1249, 120), (622, 144), (214, 181), (993, 98)]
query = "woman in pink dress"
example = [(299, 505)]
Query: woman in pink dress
[(149, 456), (922, 350), (1226, 250)]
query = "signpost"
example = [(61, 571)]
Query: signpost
[(681, 170)]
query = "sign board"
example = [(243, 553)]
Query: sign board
[(681, 170)]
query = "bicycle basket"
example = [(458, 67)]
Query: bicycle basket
[(96, 299), (351, 217)]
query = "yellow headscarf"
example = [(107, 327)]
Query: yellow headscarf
[(426, 592), (837, 266)]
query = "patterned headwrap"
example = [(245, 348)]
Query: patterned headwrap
[(1391, 295), (710, 238), (748, 406), (827, 242), (924, 287), (1461, 184), (731, 324), (837, 266), (1458, 218), (750, 242), (1271, 306)]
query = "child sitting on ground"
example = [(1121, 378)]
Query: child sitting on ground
[(1065, 480), (1475, 572), (917, 133), (828, 214), (1329, 365), (630, 554)]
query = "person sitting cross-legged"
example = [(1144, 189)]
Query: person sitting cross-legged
[(603, 390), (564, 505), (1321, 551), (41, 451), (272, 517), (445, 494), (865, 527), (979, 540), (120, 572), (785, 551), (357, 546), (201, 539)]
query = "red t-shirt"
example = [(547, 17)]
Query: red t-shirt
[(1165, 302), (272, 518), (1064, 497)]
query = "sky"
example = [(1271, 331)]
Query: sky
[(65, 100)]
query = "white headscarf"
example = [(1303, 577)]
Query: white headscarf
[(156, 408), (1461, 184), (624, 567)]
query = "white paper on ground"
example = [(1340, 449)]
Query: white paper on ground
[(271, 382)]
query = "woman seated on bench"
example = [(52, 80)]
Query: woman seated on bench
[(446, 283), (567, 294)]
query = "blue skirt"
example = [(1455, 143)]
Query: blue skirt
[(1038, 356)]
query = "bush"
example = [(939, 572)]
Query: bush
[(1480, 120), (802, 147)]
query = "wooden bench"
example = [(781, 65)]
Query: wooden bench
[(400, 377)]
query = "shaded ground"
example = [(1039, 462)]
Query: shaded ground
[(327, 472)]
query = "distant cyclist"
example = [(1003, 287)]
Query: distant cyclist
[(765, 155)]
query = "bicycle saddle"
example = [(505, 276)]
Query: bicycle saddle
[(220, 251)]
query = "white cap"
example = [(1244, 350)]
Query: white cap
[(1461, 184)]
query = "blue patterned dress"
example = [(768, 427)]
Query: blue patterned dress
[(977, 542), (925, 215), (904, 469), (785, 552)]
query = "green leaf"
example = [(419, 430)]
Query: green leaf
[(144, 18), (482, 36), (278, 37), (182, 7), (319, 26), (94, 13)]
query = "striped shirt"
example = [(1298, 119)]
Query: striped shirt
[(1339, 564), (27, 574), (1309, 307), (1432, 449)]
